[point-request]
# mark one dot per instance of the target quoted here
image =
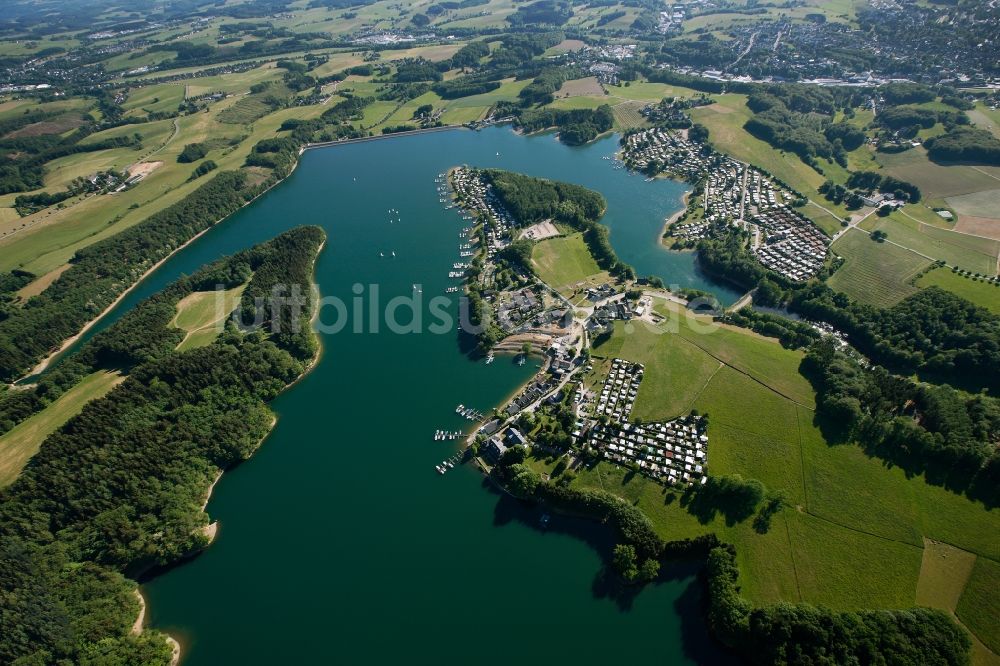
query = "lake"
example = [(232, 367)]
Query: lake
[(338, 541)]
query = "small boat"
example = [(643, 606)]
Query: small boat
[(460, 409), (489, 359), (380, 254), (544, 520), (394, 253)]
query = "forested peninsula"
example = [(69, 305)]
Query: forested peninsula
[(120, 487)]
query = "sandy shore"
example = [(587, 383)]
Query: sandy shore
[(686, 199), (137, 627)]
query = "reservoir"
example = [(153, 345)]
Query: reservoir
[(338, 542)]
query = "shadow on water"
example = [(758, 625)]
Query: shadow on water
[(690, 606)]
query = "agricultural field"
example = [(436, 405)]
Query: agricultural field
[(973, 253), (875, 273), (984, 294), (584, 87), (627, 116), (22, 441), (563, 261), (938, 182), (854, 532)]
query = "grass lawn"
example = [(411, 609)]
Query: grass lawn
[(563, 261), (979, 607), (158, 97), (676, 370), (21, 442), (875, 273), (826, 221), (983, 294), (984, 203), (202, 315)]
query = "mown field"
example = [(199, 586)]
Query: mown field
[(875, 273), (563, 261), (202, 315), (979, 607), (981, 293)]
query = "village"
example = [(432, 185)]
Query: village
[(734, 193)]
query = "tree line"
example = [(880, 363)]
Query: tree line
[(119, 488)]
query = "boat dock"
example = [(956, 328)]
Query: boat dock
[(469, 413), (449, 463)]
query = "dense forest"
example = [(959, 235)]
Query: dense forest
[(576, 127), (150, 450), (949, 436), (933, 332), (965, 144)]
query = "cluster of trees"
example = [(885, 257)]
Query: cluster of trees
[(948, 435), (279, 154), (543, 88), (102, 271), (790, 333), (464, 87), (348, 109), (872, 180), (799, 119), (192, 152), (150, 449), (800, 633), (933, 331), (203, 168), (542, 12), (411, 70), (964, 144), (576, 127)]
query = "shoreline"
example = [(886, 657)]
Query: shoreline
[(52, 357), (686, 200), (211, 529)]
